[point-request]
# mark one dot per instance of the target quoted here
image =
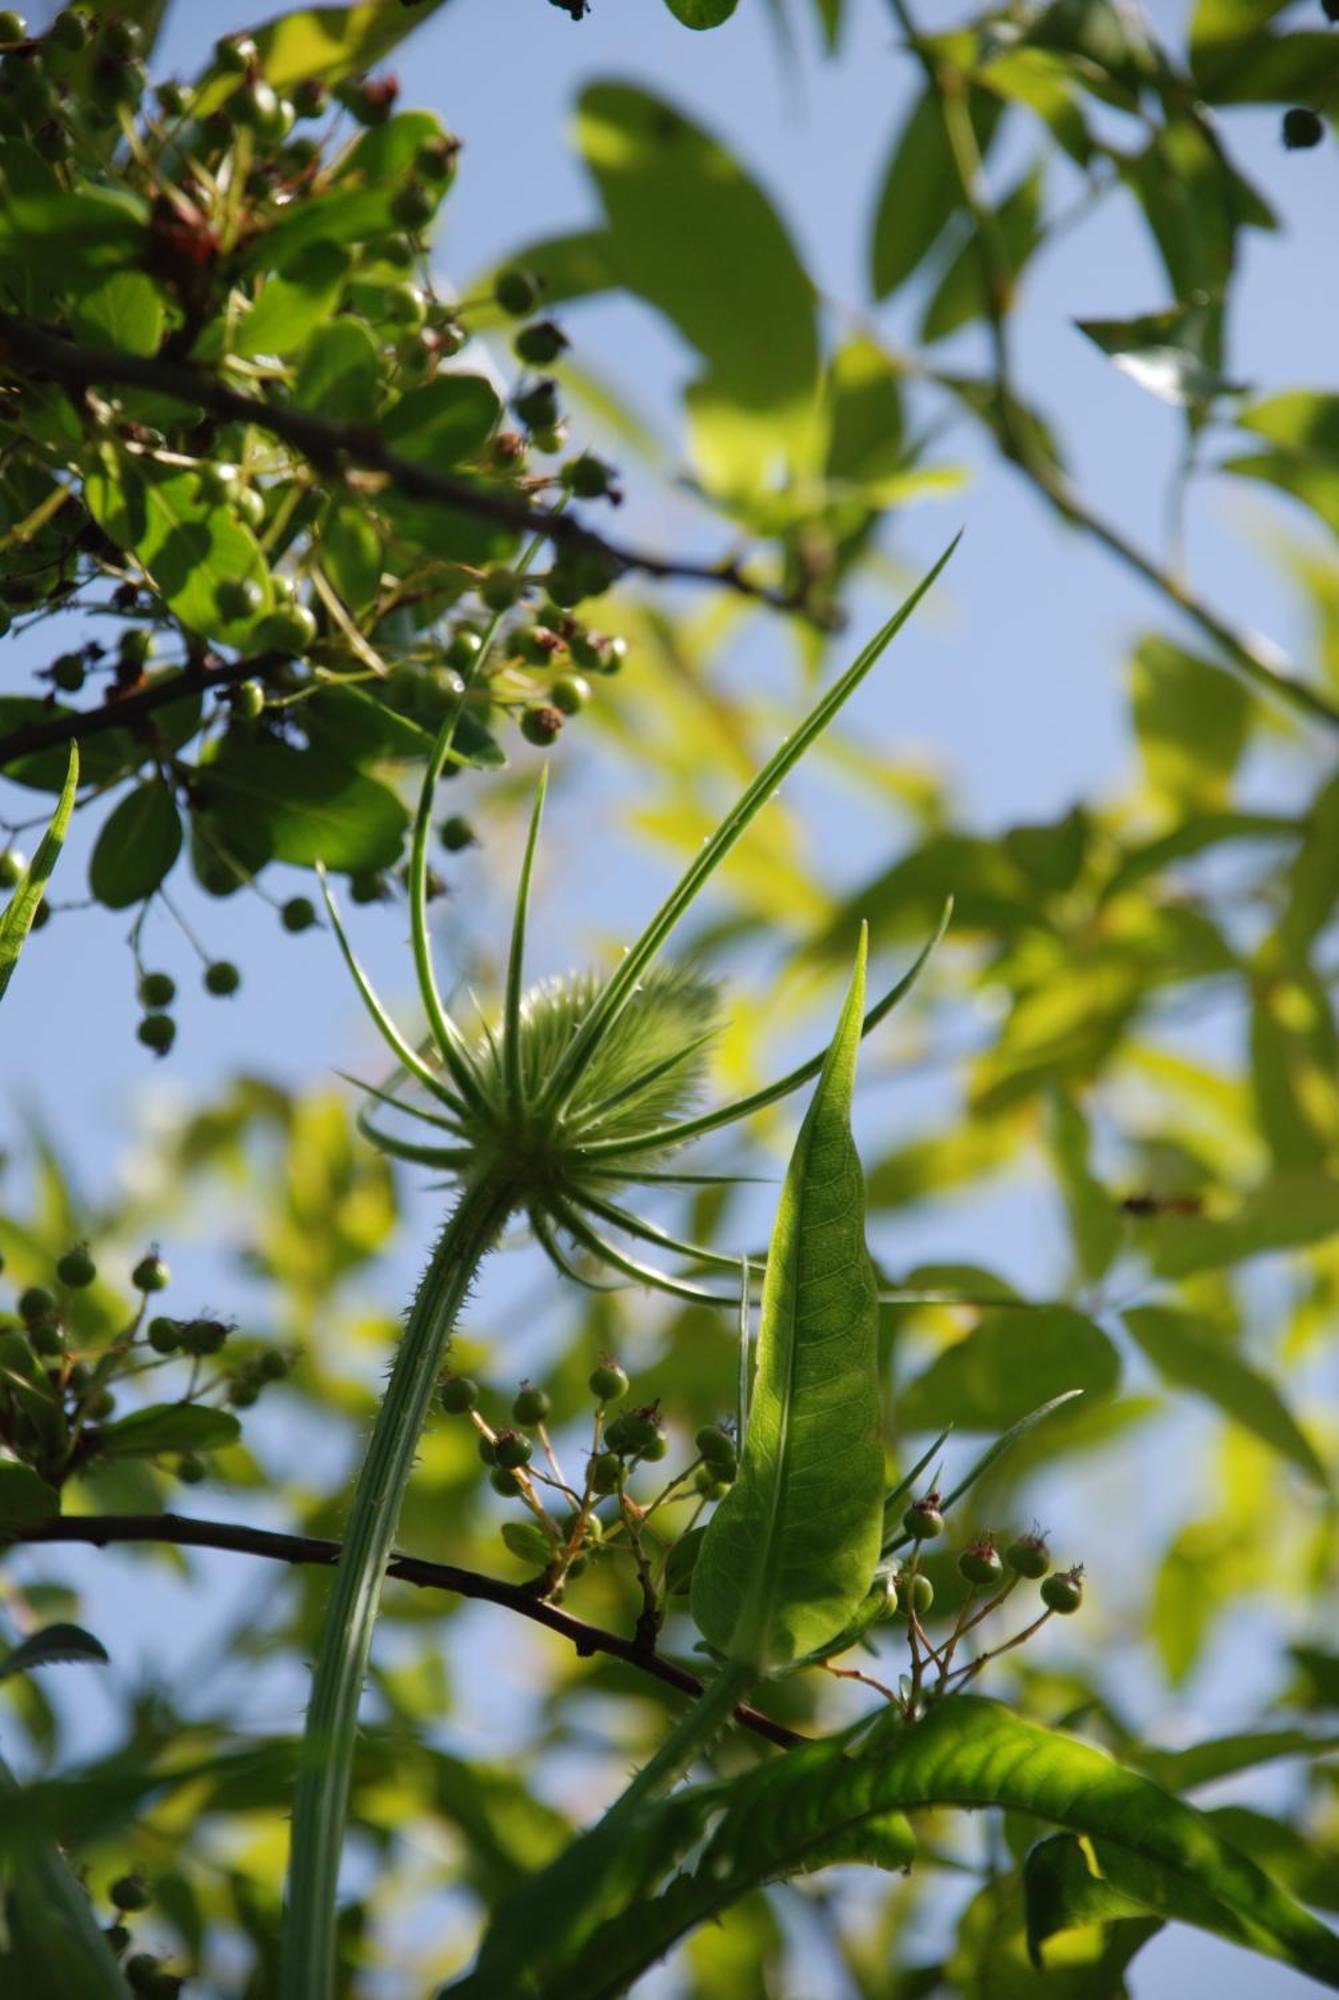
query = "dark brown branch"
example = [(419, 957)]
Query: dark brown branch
[(333, 447), (130, 710), (102, 1529)]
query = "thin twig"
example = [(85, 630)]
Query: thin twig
[(101, 1529)]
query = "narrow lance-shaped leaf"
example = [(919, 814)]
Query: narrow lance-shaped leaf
[(16, 919), (789, 1555)]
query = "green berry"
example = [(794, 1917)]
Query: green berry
[(136, 646), (12, 867), (69, 30), (504, 1481), (292, 629), (656, 1448), (435, 159), (68, 673), (486, 1449), (204, 1336), (634, 1433), (458, 1394), (464, 649), (174, 99), (403, 305), (512, 1451), (367, 887), (36, 1303), (100, 1405), (13, 27), (529, 1405), (708, 1485), (1302, 128), (916, 1591), (500, 589), (249, 701), (191, 1468), (273, 1366), (570, 693), (608, 1382), (238, 597), (455, 834), (163, 1334), (1063, 1592), (1028, 1556), (517, 292), (310, 97), (542, 726), (298, 914), (129, 1893), (540, 343), (236, 54), (412, 206), (715, 1445), (151, 1274), (222, 978), (157, 989), (118, 1938), (76, 1268), (923, 1520), (606, 1470), (980, 1564), (45, 1338), (243, 1394), (250, 506), (587, 477), (537, 407), (157, 1032)]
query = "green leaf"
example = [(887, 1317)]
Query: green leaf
[(1063, 1891), (339, 374), (528, 1543), (788, 1557), (1195, 836), (960, 295), (1192, 720), (53, 1646), (444, 421), (295, 302), (137, 847), (1095, 1222), (168, 1427), (690, 233), (1186, 1353), (331, 43), (1013, 1359), (308, 806), (1223, 1756), (1165, 353), (702, 13), (1305, 421), (1282, 1213), (16, 919), (351, 555), (124, 311), (54, 238), (188, 542), (921, 188), (24, 1496), (1312, 481)]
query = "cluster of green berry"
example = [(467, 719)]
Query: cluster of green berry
[(144, 1974), (565, 1529), (157, 991), (37, 72)]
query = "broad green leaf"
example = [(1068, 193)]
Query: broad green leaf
[(960, 295), (352, 555), (1223, 29), (334, 42), (1193, 201), (306, 806), (1301, 420), (702, 13), (55, 1943), (444, 421), (294, 302), (137, 846), (1095, 1222), (1294, 1050), (53, 237), (1283, 1213), (691, 234), (1063, 1891), (168, 1427), (16, 919), (1223, 1756), (1195, 836), (24, 1496), (1164, 353), (1192, 720), (124, 311), (1184, 1352), (790, 1552), (1312, 481), (339, 373), (1013, 1360), (1279, 69), (921, 188), (864, 413), (189, 543), (54, 1645)]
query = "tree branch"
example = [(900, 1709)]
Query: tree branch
[(130, 710), (101, 1529), (333, 447)]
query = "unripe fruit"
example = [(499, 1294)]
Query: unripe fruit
[(249, 701), (69, 30), (608, 1382), (238, 597), (517, 292), (310, 97), (537, 407), (292, 629), (1063, 1592), (129, 1893), (403, 305), (272, 1366), (512, 1451), (500, 589), (45, 1338), (923, 1520), (606, 1470), (157, 989), (13, 27), (36, 1303), (412, 206), (587, 477), (1302, 128), (540, 343), (191, 1468), (243, 1394), (464, 649), (164, 1334), (258, 105), (657, 1448), (635, 1433), (236, 54), (458, 1394), (1028, 1556), (570, 693), (708, 1485), (367, 887), (68, 673), (150, 1275), (455, 834), (542, 726), (204, 1336), (915, 1591), (250, 506), (157, 1032), (529, 1405), (435, 159), (980, 1564), (504, 1481), (136, 645), (12, 866), (298, 914), (76, 1268), (222, 978), (174, 99), (118, 1938)]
